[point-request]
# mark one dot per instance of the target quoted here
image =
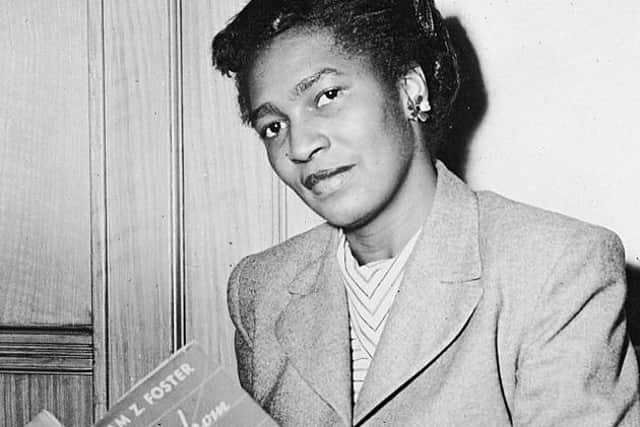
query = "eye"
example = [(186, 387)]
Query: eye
[(272, 130), (328, 96)]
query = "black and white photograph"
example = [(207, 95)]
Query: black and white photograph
[(319, 213)]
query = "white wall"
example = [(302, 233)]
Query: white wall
[(561, 129)]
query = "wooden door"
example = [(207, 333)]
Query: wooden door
[(128, 190), (88, 208), (45, 217)]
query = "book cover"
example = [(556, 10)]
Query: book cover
[(186, 390)]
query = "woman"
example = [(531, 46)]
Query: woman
[(419, 302)]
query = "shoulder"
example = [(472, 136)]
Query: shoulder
[(531, 254), (271, 270), (541, 266), (507, 226), (557, 285), (286, 258)]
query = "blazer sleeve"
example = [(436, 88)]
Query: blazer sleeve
[(241, 312), (576, 365)]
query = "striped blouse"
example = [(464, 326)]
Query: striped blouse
[(371, 289)]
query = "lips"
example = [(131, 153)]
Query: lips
[(317, 177)]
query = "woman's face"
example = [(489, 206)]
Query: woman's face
[(334, 133)]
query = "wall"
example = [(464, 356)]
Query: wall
[(560, 129)]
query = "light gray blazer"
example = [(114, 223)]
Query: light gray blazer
[(507, 315)]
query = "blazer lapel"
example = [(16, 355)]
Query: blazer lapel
[(437, 297), (313, 331)]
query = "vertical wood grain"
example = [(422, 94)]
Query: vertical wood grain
[(22, 397), (231, 204), (178, 279), (299, 216), (45, 276), (138, 165), (99, 282)]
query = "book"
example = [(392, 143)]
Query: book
[(186, 390), (45, 419)]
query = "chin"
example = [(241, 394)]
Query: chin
[(347, 210), (346, 219)]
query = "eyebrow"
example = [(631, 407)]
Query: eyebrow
[(298, 90), (308, 82)]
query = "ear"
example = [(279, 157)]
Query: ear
[(414, 88)]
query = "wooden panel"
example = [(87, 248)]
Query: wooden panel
[(299, 216), (231, 202), (46, 350), (137, 129), (68, 397), (178, 279), (44, 167), (99, 238)]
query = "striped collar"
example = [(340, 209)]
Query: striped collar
[(371, 289)]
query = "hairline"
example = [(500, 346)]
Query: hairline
[(340, 47)]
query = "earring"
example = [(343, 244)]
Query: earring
[(418, 109)]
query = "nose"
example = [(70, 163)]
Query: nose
[(305, 142)]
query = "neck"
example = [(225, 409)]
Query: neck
[(386, 235)]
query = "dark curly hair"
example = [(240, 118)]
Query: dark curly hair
[(393, 35)]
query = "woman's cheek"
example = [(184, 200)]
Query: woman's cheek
[(281, 166), (274, 161)]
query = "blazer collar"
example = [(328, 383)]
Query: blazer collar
[(313, 329), (450, 234), (438, 295), (318, 254)]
